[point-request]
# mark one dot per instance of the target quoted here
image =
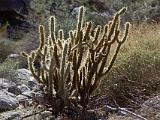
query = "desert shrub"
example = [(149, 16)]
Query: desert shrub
[(8, 69), (135, 75), (6, 48)]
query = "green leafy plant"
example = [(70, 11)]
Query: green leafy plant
[(71, 69)]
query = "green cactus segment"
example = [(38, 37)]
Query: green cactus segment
[(75, 66)]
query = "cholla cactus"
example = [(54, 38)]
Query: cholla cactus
[(74, 66)]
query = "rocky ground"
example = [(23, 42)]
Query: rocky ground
[(18, 97), (18, 102)]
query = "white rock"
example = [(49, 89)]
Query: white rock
[(7, 101), (13, 55), (23, 88), (5, 83), (32, 83), (28, 94), (23, 75)]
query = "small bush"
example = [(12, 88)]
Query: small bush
[(8, 69), (6, 48)]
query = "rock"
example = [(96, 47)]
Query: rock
[(157, 116), (23, 75), (32, 83), (23, 100), (106, 15), (5, 83), (7, 101), (23, 88), (46, 114), (75, 11), (40, 98), (13, 9), (11, 56), (153, 103), (28, 94), (24, 72), (151, 108), (21, 97), (13, 115), (15, 90)]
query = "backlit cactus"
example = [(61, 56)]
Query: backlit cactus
[(74, 66)]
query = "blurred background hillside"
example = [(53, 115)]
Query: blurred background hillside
[(24, 16)]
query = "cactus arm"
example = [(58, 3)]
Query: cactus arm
[(50, 77), (97, 33), (41, 37), (61, 82), (87, 32), (52, 29), (30, 64), (79, 24), (55, 54)]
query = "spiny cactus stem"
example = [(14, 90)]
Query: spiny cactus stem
[(125, 35), (67, 71), (98, 47), (42, 36), (122, 11), (97, 33), (79, 25), (51, 71), (105, 30), (104, 61), (92, 56), (80, 58), (69, 50), (52, 28), (61, 82), (24, 54), (55, 54), (112, 60), (72, 37), (113, 25), (93, 70), (74, 59), (87, 33), (43, 77), (30, 64), (80, 45), (59, 42), (61, 35), (80, 19)]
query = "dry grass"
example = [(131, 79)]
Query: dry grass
[(8, 69), (6, 48), (135, 76)]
